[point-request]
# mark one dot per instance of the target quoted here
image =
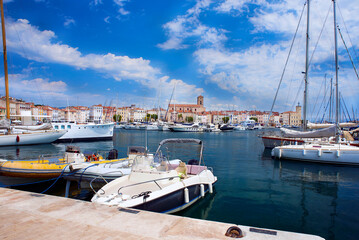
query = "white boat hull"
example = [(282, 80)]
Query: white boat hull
[(82, 132), (30, 138), (331, 153)]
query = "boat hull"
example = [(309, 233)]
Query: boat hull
[(346, 155), (85, 132), (30, 138)]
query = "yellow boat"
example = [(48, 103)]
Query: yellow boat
[(14, 172)]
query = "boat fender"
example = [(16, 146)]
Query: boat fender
[(17, 138), (210, 188), (234, 232), (304, 152), (338, 153), (94, 157), (202, 190), (186, 195), (280, 153), (319, 152)]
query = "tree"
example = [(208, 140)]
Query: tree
[(225, 119), (180, 116), (117, 118), (154, 116), (189, 119), (254, 118)]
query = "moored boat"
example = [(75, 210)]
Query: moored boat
[(170, 187)]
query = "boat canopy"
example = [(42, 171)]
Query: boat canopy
[(182, 140), (326, 132)]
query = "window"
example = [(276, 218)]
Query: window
[(56, 127), (62, 126), (68, 126)]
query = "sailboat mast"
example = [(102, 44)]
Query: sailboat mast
[(5, 61), (336, 73), (306, 72)]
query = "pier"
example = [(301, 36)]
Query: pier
[(26, 215)]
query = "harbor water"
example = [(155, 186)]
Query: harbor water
[(252, 188)]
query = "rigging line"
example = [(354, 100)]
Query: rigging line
[(316, 100), (325, 110), (345, 107), (320, 35), (325, 96), (286, 62), (350, 57), (350, 40)]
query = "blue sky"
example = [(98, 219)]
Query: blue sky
[(135, 51)]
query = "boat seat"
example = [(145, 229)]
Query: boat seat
[(195, 169)]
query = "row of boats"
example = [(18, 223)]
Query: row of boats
[(195, 127), (148, 181)]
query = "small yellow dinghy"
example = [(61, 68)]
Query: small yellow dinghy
[(14, 172)]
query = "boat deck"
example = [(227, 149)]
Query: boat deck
[(25, 215)]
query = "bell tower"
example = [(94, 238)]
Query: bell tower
[(200, 100)]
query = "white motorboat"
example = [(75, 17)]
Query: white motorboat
[(92, 175), (84, 132), (167, 188), (183, 128), (132, 126), (239, 128), (211, 128), (152, 127)]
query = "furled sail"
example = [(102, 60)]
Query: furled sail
[(326, 132), (326, 125)]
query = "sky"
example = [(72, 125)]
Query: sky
[(233, 52)]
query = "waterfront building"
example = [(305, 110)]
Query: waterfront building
[(96, 113), (180, 112)]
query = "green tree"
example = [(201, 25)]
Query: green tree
[(189, 119), (254, 118), (154, 116), (180, 116), (225, 119), (117, 118)]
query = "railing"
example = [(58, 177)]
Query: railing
[(101, 176)]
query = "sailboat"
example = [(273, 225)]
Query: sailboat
[(10, 136), (323, 152)]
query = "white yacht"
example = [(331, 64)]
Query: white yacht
[(84, 132), (170, 187), (183, 128)]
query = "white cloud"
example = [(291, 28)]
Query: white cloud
[(188, 26), (121, 4), (41, 46), (69, 21), (106, 19)]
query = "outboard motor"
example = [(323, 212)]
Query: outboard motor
[(73, 155), (113, 154)]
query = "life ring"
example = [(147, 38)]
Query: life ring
[(17, 138)]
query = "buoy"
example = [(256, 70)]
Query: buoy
[(210, 188), (17, 138), (202, 190), (186, 195)]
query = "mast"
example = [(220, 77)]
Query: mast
[(306, 72), (5, 61), (336, 74)]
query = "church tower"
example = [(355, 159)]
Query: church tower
[(200, 100)]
